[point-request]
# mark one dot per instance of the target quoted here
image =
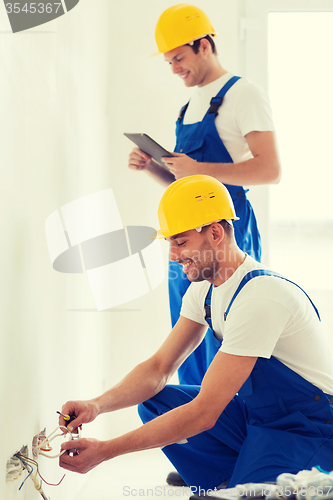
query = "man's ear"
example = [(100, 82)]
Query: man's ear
[(217, 232), (205, 46)]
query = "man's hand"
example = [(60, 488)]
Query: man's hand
[(91, 453), (85, 412), (181, 165), (138, 160)]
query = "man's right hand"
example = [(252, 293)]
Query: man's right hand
[(138, 160), (84, 411)]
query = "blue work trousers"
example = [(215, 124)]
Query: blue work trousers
[(278, 422)]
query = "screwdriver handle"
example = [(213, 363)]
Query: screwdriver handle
[(68, 418)]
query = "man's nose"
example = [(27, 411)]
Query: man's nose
[(174, 253), (175, 67)]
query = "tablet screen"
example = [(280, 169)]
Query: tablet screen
[(149, 146)]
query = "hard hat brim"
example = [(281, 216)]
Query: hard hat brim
[(187, 43), (155, 54), (159, 234)]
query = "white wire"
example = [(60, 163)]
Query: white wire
[(48, 439), (39, 487), (52, 456)]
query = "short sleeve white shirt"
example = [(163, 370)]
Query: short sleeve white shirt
[(269, 317), (245, 109)]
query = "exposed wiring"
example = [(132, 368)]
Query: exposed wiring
[(26, 466), (48, 439), (49, 448), (43, 447), (30, 460)]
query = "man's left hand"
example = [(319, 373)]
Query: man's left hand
[(181, 165), (90, 453)]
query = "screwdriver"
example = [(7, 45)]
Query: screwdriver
[(68, 418)]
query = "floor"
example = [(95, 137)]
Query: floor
[(138, 475)]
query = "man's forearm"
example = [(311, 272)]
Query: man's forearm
[(263, 168), (140, 384), (172, 427), (247, 173), (192, 418)]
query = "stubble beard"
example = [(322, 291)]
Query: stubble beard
[(205, 267)]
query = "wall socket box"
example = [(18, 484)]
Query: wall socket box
[(14, 466), (35, 442)]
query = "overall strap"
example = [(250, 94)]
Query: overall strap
[(262, 272), (216, 101), (182, 112), (208, 309)]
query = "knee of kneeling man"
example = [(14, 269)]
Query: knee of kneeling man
[(146, 412)]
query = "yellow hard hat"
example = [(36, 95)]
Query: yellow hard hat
[(179, 25), (192, 202)]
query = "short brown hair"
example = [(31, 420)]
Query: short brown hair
[(196, 44)]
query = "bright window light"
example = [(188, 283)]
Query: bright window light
[(300, 87), (301, 92)]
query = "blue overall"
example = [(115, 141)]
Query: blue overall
[(278, 422), (202, 142)]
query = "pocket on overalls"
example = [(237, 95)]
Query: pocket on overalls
[(194, 149)]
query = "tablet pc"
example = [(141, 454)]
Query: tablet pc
[(149, 146)]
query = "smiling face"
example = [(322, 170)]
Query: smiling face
[(192, 68), (198, 258)]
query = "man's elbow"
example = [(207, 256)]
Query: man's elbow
[(207, 421), (273, 173), (277, 172), (209, 424), (154, 375)]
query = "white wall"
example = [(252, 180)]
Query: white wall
[(69, 89)]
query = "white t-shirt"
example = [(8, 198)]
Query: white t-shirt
[(269, 317), (245, 108)]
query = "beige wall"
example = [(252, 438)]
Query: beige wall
[(69, 89)]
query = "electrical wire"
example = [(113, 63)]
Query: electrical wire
[(44, 445), (27, 461), (48, 439), (26, 466)]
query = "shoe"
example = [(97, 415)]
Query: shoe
[(175, 479), (222, 486)]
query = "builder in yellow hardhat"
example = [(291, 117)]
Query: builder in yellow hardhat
[(225, 131), (265, 405)]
